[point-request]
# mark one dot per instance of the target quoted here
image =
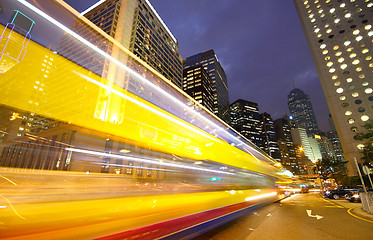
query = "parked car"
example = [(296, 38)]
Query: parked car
[(355, 196), (341, 192)]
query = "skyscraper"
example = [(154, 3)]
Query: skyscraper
[(301, 110), (211, 64), (285, 143), (339, 35), (134, 24), (198, 85), (270, 145), (245, 119)]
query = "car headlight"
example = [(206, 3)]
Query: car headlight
[(356, 196)]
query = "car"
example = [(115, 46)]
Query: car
[(355, 196), (341, 192)]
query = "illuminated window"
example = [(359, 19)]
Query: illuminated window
[(317, 30), (352, 55), (322, 46), (354, 129), (368, 58), (370, 33), (305, 2), (346, 43), (319, 35), (349, 80), (348, 15), (313, 20), (339, 53), (334, 77), (365, 50), (348, 113), (337, 83), (370, 5), (361, 76), (339, 90), (335, 47), (358, 38), (367, 27), (325, 52), (332, 10), (355, 61), (327, 58), (311, 15), (359, 69), (350, 49), (342, 98), (332, 70), (364, 118), (354, 94), (343, 66), (340, 60), (351, 120), (329, 64), (356, 32), (370, 64), (368, 90), (360, 146), (342, 5), (364, 84), (329, 30), (322, 15)]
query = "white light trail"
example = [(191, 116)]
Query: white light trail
[(261, 196), (137, 159), (91, 7)]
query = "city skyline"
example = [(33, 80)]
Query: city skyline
[(256, 50)]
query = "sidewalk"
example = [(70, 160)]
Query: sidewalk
[(359, 211)]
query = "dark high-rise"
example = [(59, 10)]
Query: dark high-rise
[(270, 145), (245, 119), (285, 142), (211, 64), (198, 85), (301, 110)]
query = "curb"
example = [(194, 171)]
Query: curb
[(358, 212)]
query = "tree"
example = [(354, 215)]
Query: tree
[(367, 137), (329, 167)]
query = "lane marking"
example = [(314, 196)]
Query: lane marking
[(335, 204), (318, 217), (349, 212)]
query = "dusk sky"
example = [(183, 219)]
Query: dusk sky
[(260, 45)]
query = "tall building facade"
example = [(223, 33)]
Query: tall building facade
[(211, 64), (270, 145), (302, 112), (285, 143), (339, 35), (198, 85), (134, 24), (245, 118)]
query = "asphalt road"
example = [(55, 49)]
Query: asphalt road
[(301, 216)]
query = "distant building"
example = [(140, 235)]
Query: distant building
[(245, 119), (339, 35), (301, 110), (136, 25), (198, 85), (285, 144), (270, 145), (211, 64)]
